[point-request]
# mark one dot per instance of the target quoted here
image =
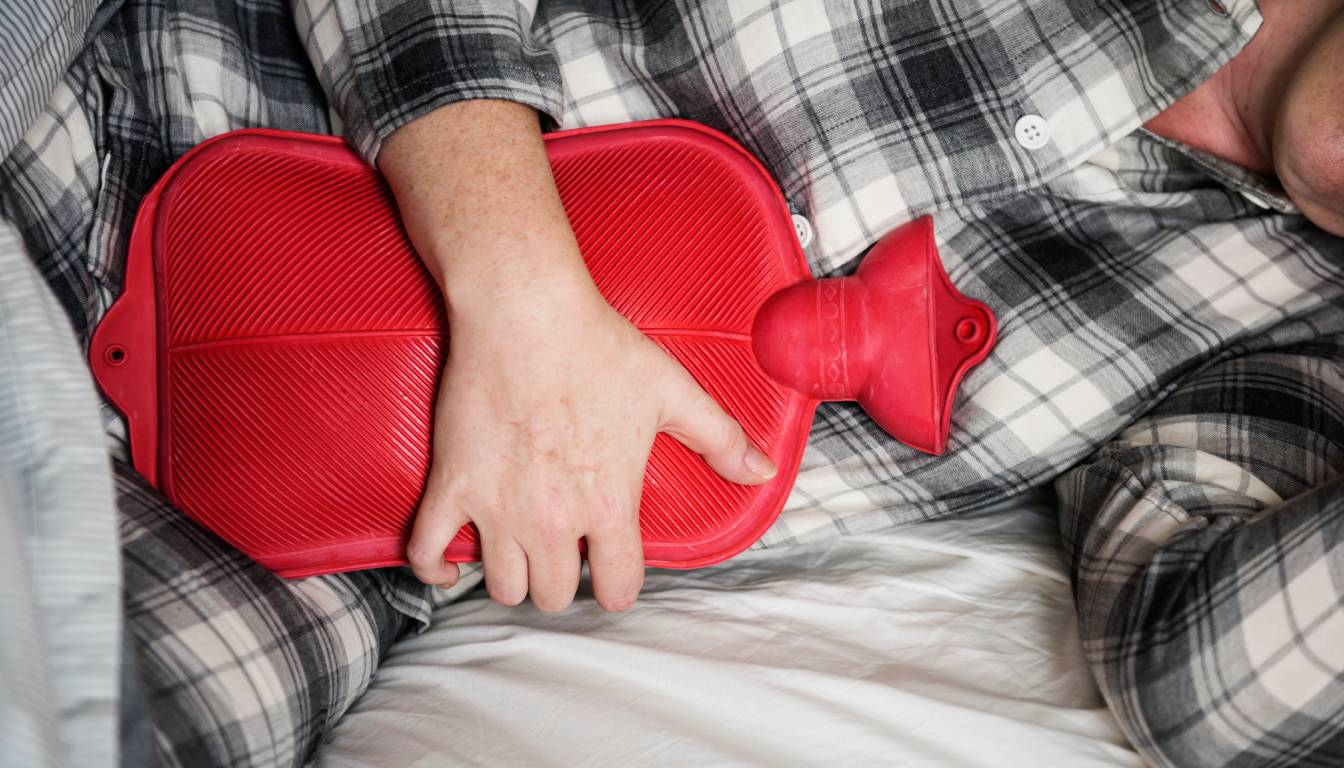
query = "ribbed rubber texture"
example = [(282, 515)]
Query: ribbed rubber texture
[(301, 341)]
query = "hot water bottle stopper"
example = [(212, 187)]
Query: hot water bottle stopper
[(278, 344)]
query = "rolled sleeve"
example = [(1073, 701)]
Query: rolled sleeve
[(386, 63)]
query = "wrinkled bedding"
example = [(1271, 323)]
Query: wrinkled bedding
[(948, 643)]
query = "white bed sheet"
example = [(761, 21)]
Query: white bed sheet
[(950, 643)]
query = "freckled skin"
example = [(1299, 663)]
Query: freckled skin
[(550, 399), (1278, 107)]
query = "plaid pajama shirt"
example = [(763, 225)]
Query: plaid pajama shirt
[(1170, 327)]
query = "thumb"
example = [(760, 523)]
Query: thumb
[(436, 525), (693, 418)]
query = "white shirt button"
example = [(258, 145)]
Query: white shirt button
[(803, 228), (1032, 131)]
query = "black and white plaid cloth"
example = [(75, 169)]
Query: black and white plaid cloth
[(1171, 329)]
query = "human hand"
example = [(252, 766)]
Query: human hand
[(547, 411), (550, 400)]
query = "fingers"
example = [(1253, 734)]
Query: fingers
[(436, 524), (616, 562), (548, 566), (697, 422), (505, 566), (553, 567)]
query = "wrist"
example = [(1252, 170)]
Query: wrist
[(513, 284), (476, 195)]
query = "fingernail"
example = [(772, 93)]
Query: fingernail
[(759, 464)]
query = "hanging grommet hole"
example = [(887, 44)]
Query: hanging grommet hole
[(115, 355)]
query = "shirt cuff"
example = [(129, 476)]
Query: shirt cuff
[(386, 63)]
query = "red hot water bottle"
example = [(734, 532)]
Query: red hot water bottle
[(278, 345)]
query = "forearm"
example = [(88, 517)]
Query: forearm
[(478, 200)]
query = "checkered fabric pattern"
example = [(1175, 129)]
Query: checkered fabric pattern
[(1122, 269), (1206, 544), (238, 666)]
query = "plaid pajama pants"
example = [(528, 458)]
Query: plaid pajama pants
[(1207, 545), (236, 665), (1170, 356)]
